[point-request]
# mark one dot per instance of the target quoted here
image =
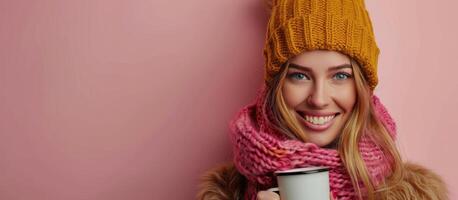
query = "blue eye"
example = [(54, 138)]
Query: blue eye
[(342, 76), (298, 76)]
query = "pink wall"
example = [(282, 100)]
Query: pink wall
[(131, 99)]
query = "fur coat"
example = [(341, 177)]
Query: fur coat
[(224, 182)]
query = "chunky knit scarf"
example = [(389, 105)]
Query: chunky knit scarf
[(259, 151)]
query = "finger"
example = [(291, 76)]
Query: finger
[(267, 195)]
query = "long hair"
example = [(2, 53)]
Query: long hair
[(363, 117)]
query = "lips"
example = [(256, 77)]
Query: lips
[(317, 114)]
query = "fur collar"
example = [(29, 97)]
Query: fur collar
[(224, 182)]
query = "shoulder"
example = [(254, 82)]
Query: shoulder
[(222, 182), (418, 183)]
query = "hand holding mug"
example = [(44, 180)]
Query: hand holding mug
[(309, 183), (268, 195)]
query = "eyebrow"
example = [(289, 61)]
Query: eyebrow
[(305, 68)]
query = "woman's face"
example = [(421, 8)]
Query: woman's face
[(319, 89)]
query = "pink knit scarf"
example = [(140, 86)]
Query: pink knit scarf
[(259, 151)]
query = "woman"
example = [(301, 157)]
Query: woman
[(317, 108)]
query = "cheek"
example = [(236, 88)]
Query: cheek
[(293, 95), (346, 98)]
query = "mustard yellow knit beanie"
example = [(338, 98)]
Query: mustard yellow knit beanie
[(299, 25)]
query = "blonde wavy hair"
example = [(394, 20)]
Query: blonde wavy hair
[(362, 117)]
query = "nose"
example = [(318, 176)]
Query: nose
[(319, 97)]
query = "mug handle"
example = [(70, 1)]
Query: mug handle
[(275, 189)]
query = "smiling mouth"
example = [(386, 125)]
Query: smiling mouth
[(318, 120), (316, 123)]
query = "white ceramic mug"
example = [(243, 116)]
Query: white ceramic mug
[(310, 183)]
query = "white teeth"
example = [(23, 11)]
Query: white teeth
[(318, 120)]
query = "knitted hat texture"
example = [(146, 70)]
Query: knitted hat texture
[(295, 26)]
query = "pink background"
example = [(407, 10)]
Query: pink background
[(114, 100)]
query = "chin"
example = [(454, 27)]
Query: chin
[(328, 144), (319, 143)]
